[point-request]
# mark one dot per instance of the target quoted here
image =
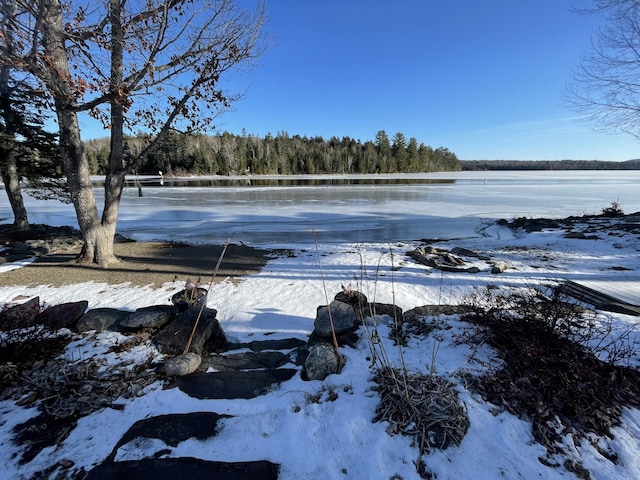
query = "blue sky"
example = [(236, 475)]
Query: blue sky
[(482, 78)]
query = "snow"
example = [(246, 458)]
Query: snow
[(299, 426)]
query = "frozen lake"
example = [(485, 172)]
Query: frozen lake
[(283, 210)]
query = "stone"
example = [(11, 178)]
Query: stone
[(101, 319), (464, 252), (389, 309), (349, 338), (17, 257), (63, 315), (281, 344), (232, 384), (172, 429), (182, 364), (20, 316), (433, 311), (442, 261), (246, 361), (375, 320), (352, 297), (184, 468), (39, 248), (173, 338), (155, 316), (321, 361), (343, 317), (189, 297), (499, 267)]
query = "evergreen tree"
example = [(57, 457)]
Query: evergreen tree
[(399, 152), (383, 149)]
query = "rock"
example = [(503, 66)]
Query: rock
[(416, 313), (580, 236), (172, 429), (464, 252), (189, 297), (16, 257), (232, 384), (343, 317), (282, 344), (349, 338), (155, 316), (101, 319), (246, 361), (64, 315), (182, 364), (173, 338), (184, 468), (352, 297), (20, 316), (499, 267), (393, 311), (38, 248), (375, 320), (321, 361), (450, 259)]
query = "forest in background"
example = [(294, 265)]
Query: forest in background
[(479, 165), (229, 154)]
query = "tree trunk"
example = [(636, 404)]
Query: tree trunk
[(11, 181), (98, 238), (9, 168)]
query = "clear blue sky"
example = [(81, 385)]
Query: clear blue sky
[(482, 78)]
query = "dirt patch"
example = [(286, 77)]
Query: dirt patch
[(142, 263)]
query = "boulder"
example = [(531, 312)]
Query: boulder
[(155, 316), (342, 314), (20, 316), (189, 297), (393, 311), (352, 297), (417, 313), (321, 361), (101, 319), (499, 267), (63, 315), (444, 261), (182, 364), (173, 338)]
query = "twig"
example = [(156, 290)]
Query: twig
[(204, 302)]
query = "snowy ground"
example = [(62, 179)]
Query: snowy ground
[(337, 439)]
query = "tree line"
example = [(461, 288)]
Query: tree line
[(478, 165), (282, 154)]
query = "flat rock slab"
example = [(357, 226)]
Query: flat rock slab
[(282, 344), (184, 468), (232, 384), (172, 429), (245, 361)]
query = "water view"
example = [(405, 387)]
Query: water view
[(376, 208)]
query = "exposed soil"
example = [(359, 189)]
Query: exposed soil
[(142, 263)]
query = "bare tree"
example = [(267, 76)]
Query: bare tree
[(606, 85), (26, 148), (137, 65)]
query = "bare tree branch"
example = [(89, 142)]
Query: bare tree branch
[(606, 85)]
